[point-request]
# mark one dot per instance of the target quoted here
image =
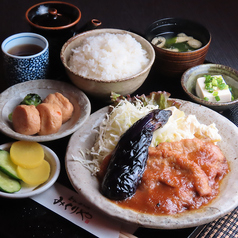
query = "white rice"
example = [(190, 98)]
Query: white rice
[(108, 57)]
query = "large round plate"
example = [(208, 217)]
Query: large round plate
[(88, 185), (12, 96), (29, 191)]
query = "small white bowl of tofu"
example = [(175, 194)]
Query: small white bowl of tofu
[(212, 85)]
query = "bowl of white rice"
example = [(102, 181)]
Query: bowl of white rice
[(102, 61)]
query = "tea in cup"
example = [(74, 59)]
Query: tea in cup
[(25, 57)]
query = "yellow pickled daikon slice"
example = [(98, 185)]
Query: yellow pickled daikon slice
[(36, 175), (27, 154)]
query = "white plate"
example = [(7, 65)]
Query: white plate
[(88, 186), (29, 191), (12, 96)]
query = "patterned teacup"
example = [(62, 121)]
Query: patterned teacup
[(26, 57)]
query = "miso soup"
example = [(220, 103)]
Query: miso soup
[(177, 43)]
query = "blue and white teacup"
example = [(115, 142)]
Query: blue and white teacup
[(26, 57)]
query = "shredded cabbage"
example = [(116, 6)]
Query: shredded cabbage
[(122, 117), (179, 126)]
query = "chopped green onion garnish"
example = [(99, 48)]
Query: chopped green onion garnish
[(222, 86), (10, 116), (207, 78), (219, 80), (213, 84), (208, 87)]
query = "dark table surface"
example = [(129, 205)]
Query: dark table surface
[(25, 217)]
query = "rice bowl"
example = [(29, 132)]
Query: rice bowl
[(100, 87)]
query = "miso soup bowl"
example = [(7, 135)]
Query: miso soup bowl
[(100, 88), (174, 64)]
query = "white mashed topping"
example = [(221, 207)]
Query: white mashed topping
[(108, 57)]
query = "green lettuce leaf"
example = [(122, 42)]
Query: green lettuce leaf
[(160, 98)]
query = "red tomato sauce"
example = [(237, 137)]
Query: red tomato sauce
[(179, 176)]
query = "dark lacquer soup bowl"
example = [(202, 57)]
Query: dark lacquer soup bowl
[(172, 63)]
